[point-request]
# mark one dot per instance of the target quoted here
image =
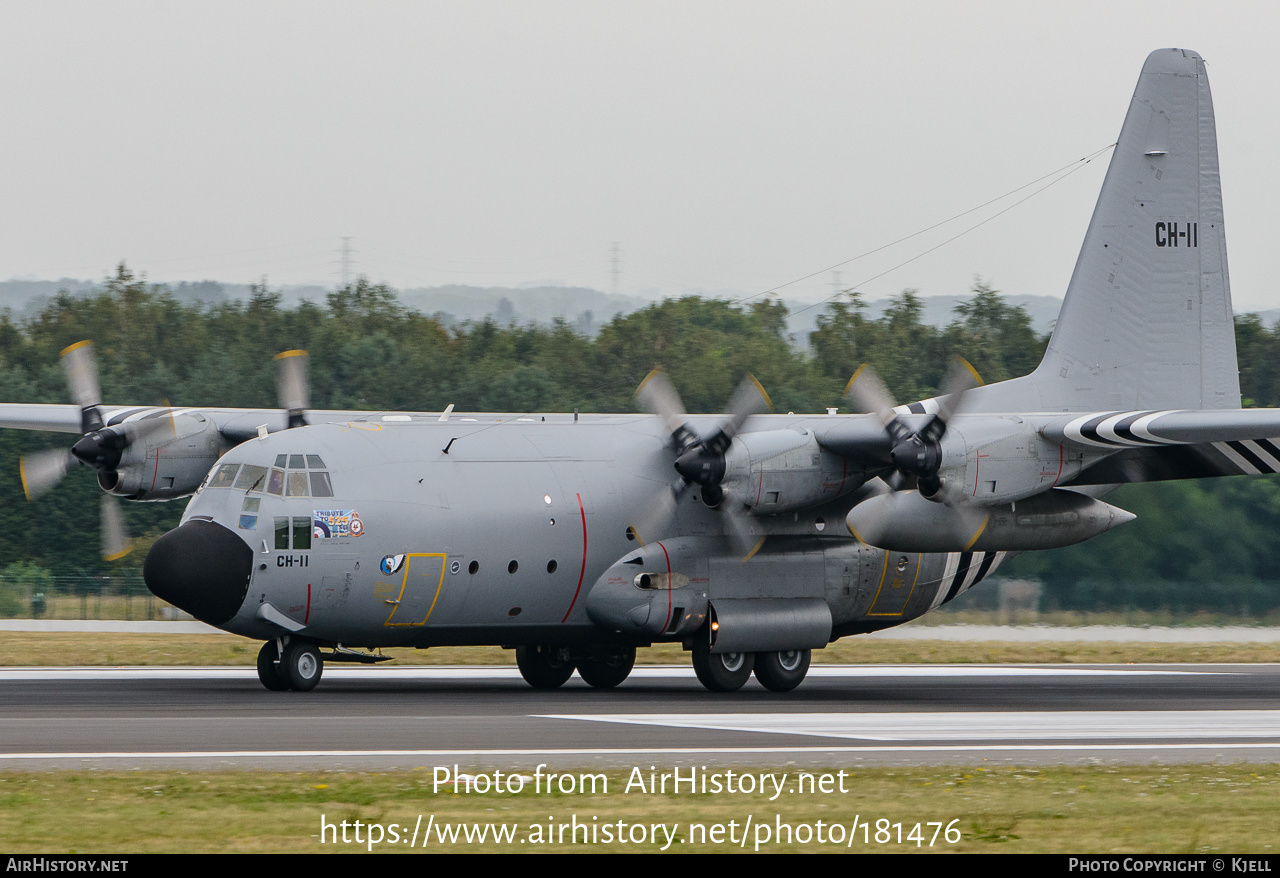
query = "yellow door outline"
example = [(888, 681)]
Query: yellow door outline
[(895, 582), (408, 565)]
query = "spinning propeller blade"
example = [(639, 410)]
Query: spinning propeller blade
[(42, 470), (115, 538), (291, 382)]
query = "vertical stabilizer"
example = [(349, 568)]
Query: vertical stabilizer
[(1146, 322)]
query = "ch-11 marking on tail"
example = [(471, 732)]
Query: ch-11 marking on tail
[(750, 538)]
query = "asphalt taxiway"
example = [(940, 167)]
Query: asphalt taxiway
[(411, 717)]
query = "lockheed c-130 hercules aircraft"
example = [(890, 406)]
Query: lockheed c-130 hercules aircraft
[(750, 538)]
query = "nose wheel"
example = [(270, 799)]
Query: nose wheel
[(299, 667), (269, 668)]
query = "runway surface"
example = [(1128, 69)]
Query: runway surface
[(398, 717)]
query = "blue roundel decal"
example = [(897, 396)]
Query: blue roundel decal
[(390, 564)]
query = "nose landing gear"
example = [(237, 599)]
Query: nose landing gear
[(298, 668)]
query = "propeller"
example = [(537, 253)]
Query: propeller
[(915, 453), (103, 447), (100, 447), (699, 461)]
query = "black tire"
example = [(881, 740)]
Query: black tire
[(721, 672), (606, 671), (544, 667), (782, 671), (301, 665), (269, 669)]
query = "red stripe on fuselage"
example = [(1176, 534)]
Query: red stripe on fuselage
[(581, 574)]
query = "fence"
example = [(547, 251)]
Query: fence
[(82, 596)]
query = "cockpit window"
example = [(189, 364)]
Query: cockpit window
[(296, 485), (225, 475), (320, 485), (294, 475), (252, 478)]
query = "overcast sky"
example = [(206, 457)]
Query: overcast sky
[(727, 147)]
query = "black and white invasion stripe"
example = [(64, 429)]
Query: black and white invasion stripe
[(1115, 429), (962, 572), (1251, 456)]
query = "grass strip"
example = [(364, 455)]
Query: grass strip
[(1097, 809), (27, 649)]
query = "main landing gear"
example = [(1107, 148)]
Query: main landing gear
[(298, 668), (728, 671), (544, 667), (550, 667)]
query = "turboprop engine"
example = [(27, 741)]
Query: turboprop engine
[(780, 471), (142, 463)]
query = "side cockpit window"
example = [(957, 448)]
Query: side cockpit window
[(224, 476)]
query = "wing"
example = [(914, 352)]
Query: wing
[(51, 418), (1163, 445)]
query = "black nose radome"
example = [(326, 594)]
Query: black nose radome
[(200, 567)]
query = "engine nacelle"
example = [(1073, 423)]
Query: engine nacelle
[(785, 470), (993, 461), (157, 464), (658, 591)]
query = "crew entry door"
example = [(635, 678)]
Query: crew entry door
[(419, 589)]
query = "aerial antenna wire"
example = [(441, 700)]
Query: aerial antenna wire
[(1073, 167), (1078, 165)]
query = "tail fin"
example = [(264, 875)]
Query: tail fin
[(1146, 322)]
